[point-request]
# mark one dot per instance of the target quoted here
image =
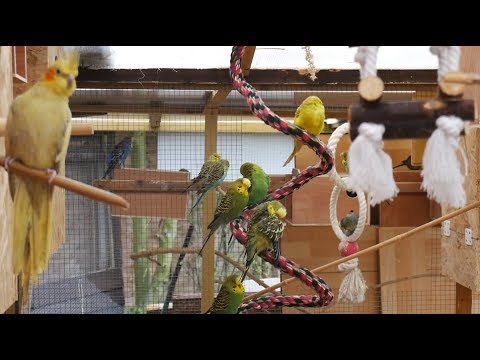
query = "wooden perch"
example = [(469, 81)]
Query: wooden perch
[(68, 184), (393, 240), (408, 119), (77, 129), (461, 77)]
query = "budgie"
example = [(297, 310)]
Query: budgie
[(310, 116), (37, 134), (259, 179), (207, 165), (213, 178), (349, 223), (230, 207), (229, 297), (265, 231), (118, 156), (344, 157)]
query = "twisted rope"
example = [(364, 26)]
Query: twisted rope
[(237, 226)]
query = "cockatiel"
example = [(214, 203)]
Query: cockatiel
[(37, 135), (310, 116), (118, 156), (229, 297), (265, 231), (259, 179), (230, 207), (349, 222), (214, 177)]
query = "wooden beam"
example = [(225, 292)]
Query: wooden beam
[(152, 78), (159, 186), (408, 119), (247, 59), (463, 296), (77, 129)]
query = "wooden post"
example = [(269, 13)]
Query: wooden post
[(209, 204)]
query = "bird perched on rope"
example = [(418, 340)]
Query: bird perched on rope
[(408, 163), (37, 135), (265, 231), (259, 179), (344, 158), (118, 156), (310, 116), (229, 297), (230, 207), (348, 224), (211, 175)]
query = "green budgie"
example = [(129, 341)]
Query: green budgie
[(207, 165), (259, 179), (231, 206), (265, 231), (213, 178), (229, 297)]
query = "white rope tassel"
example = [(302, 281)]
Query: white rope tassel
[(370, 168), (442, 178), (353, 285), (448, 59)]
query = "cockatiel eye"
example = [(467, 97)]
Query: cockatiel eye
[(58, 71)]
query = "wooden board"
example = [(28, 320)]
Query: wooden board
[(8, 284), (167, 205), (461, 262), (311, 203), (416, 261), (311, 246)]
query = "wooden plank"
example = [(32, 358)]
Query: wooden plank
[(102, 77), (463, 299), (418, 147), (168, 205), (413, 261), (346, 98), (77, 129), (247, 59), (407, 209), (461, 262), (8, 283)]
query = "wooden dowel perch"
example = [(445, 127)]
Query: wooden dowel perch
[(461, 77), (393, 240), (408, 119), (68, 184), (77, 129)]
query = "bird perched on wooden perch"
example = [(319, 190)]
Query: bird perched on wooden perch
[(118, 156), (229, 297), (37, 134), (310, 116)]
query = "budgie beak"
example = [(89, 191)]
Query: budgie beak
[(282, 212)]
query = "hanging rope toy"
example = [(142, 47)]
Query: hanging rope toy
[(353, 285), (237, 226), (370, 167), (442, 177), (311, 64)]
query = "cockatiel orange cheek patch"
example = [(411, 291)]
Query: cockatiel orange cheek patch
[(49, 75)]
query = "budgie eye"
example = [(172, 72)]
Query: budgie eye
[(58, 71)]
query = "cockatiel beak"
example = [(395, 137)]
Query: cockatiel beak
[(70, 80)]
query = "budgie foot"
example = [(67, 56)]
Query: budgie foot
[(52, 174), (8, 161)]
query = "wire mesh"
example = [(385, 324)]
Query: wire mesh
[(93, 271)]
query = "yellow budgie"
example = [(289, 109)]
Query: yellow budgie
[(37, 134), (309, 116)]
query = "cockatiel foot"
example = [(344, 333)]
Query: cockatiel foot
[(8, 161), (52, 174)]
